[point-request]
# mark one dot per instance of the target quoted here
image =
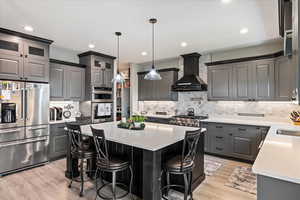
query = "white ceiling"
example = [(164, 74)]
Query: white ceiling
[(204, 24)]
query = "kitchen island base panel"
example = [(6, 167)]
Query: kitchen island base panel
[(275, 189), (147, 166)]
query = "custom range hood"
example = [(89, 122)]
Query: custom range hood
[(190, 80)]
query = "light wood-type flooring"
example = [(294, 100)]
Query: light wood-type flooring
[(49, 183)]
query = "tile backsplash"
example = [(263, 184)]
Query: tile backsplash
[(198, 101)]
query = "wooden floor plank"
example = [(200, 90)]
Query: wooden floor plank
[(49, 183)]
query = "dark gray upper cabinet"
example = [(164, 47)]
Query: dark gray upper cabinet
[(260, 80), (242, 81), (103, 71), (220, 82), (263, 79), (11, 57), (67, 82), (75, 83), (285, 79), (99, 71), (57, 81), (159, 90), (24, 59), (36, 62), (285, 9)]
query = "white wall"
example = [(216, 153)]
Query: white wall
[(63, 54), (256, 50)]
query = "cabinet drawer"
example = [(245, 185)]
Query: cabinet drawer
[(219, 148), (247, 131)]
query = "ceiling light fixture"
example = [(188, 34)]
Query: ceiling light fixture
[(153, 74), (226, 1), (28, 28), (91, 46), (119, 78), (244, 31), (183, 44), (144, 53)]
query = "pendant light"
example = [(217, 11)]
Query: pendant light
[(153, 74), (119, 77)]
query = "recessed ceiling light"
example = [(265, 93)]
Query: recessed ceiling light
[(144, 53), (183, 44), (244, 30), (28, 28), (226, 1), (91, 46)]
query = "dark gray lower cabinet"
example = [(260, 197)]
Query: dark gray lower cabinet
[(238, 141), (58, 141)]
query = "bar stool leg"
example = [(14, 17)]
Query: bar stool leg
[(114, 184), (186, 186), (168, 182), (190, 186), (70, 184), (96, 183), (131, 179), (81, 178)]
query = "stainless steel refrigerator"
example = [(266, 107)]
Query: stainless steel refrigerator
[(24, 125)]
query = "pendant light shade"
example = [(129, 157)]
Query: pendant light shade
[(119, 78), (153, 74)]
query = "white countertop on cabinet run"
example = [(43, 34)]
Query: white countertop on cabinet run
[(279, 156), (153, 137)]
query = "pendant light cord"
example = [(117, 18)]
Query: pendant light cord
[(152, 45), (118, 55)]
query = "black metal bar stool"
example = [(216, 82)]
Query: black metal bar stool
[(183, 165), (80, 149), (111, 164)]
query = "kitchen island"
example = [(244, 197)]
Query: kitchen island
[(147, 151)]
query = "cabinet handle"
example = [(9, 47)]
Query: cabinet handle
[(219, 137), (219, 149), (230, 134), (219, 126), (242, 129), (26, 56), (21, 55)]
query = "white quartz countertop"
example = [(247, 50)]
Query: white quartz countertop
[(153, 137), (255, 121), (279, 156)]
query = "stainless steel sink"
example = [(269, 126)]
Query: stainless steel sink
[(288, 132)]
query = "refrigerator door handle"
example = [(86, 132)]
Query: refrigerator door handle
[(10, 131), (26, 104), (40, 128), (23, 142), (22, 103)]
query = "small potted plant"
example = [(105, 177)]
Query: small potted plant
[(138, 120)]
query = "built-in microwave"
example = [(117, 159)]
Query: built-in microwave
[(102, 95)]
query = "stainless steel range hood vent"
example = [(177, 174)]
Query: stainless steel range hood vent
[(190, 80)]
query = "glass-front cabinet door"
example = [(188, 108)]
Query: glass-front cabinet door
[(36, 62), (11, 57)]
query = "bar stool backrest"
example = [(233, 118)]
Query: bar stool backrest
[(101, 144), (75, 136), (190, 145)]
